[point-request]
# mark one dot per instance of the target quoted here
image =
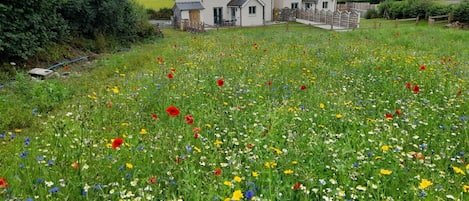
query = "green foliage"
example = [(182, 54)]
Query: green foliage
[(162, 14), (371, 13), (461, 12), (439, 9), (91, 18), (27, 26)]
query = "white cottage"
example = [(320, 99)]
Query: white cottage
[(224, 12)]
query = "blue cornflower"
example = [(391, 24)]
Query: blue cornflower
[(463, 118), (23, 154), (249, 194), (40, 158), (54, 190), (423, 146), (443, 127), (189, 148), (2, 135), (50, 162), (98, 187), (27, 141)]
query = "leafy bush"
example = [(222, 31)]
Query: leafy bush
[(461, 12), (439, 9), (371, 13), (27, 26), (162, 14), (92, 18)]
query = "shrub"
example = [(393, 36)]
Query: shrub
[(438, 9), (371, 13), (27, 26), (461, 12)]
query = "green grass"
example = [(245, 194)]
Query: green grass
[(304, 114), (156, 4)]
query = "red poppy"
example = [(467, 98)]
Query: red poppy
[(422, 67), (408, 85), (388, 116), (250, 145), (303, 87), (418, 156), (256, 46), (220, 82), (3, 183), (75, 165), (154, 117), (173, 111), (416, 89), (66, 67), (117, 142), (189, 119), (217, 172), (109, 104), (297, 186), (160, 59), (196, 135), (170, 76), (459, 92), (196, 129), (173, 70), (378, 68), (152, 180), (269, 83), (398, 112)]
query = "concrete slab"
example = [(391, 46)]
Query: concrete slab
[(322, 25)]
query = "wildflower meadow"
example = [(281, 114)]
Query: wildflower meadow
[(250, 114)]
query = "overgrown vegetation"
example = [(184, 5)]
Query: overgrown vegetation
[(393, 9), (249, 114), (31, 26)]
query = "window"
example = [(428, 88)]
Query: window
[(324, 4), (252, 10), (294, 5), (308, 5)]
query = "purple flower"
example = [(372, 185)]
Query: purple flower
[(54, 190), (249, 194)]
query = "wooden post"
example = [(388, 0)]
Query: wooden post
[(417, 21), (396, 22)]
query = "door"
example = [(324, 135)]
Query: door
[(233, 16), (217, 16), (194, 15)]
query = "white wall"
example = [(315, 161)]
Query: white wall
[(252, 20), (207, 13)]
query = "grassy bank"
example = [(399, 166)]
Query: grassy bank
[(255, 113), (156, 4)]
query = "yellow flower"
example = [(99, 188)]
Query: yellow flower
[(218, 142), (228, 183), (294, 162), (237, 179), (467, 166), (425, 183), (115, 90), (197, 149), (270, 164), (338, 116), (385, 147), (321, 105), (385, 172), (18, 130), (237, 195), (255, 174), (288, 171), (129, 165), (124, 124), (143, 131), (465, 188), (458, 170), (227, 199), (277, 151)]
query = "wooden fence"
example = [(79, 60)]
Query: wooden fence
[(439, 19), (342, 19), (193, 27)]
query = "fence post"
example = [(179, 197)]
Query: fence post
[(417, 21), (396, 22)]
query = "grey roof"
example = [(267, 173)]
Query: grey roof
[(236, 2), (189, 6)]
